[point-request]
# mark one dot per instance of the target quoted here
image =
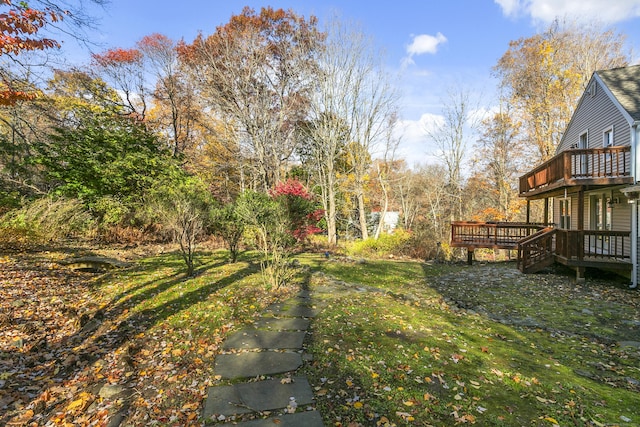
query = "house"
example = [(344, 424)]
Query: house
[(590, 189)]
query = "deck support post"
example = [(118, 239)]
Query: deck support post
[(546, 211), (470, 256), (580, 274), (528, 211)]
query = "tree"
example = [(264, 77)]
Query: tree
[(176, 109), (183, 207), (408, 190), (384, 172), (499, 159), (450, 137), (104, 155), (545, 75), (279, 221), (258, 71), (227, 223), (19, 27), (265, 218), (299, 208), (124, 69), (323, 152), (27, 27), (354, 95)]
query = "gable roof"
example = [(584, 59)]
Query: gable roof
[(624, 84)]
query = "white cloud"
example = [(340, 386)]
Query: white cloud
[(415, 146), (509, 7), (421, 44), (424, 43), (605, 11)]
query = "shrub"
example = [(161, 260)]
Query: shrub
[(387, 244), (46, 220)]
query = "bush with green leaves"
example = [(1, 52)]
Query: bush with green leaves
[(278, 222), (229, 226), (396, 243), (182, 206), (267, 225), (109, 162)]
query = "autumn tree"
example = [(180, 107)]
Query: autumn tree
[(499, 158), (258, 71), (123, 69), (30, 27), (176, 109), (545, 75)]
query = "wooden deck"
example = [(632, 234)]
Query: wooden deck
[(539, 246), (493, 235)]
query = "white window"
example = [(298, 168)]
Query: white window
[(584, 161), (607, 138)]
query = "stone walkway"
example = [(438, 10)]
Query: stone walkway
[(272, 346)]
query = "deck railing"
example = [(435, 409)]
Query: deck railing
[(592, 163), (538, 245), (500, 235), (594, 245)]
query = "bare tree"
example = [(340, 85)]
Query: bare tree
[(384, 169), (407, 188), (450, 137), (354, 89), (175, 107)]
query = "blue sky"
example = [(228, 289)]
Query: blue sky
[(432, 44)]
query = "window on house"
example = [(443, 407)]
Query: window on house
[(565, 213), (607, 138), (582, 144)]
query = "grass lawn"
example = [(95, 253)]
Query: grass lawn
[(394, 343)]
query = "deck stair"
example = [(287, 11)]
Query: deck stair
[(536, 251)]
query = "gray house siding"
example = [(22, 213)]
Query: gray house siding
[(594, 115)]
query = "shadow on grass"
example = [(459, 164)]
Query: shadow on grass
[(75, 352)]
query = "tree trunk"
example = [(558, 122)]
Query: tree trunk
[(362, 216)]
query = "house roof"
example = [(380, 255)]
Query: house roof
[(624, 84)]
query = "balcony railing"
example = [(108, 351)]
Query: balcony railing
[(600, 166)]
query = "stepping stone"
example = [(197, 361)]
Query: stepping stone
[(298, 311), (304, 294), (307, 419), (252, 364), (288, 324), (259, 339), (256, 397), (293, 311)]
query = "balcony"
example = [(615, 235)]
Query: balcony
[(588, 167)]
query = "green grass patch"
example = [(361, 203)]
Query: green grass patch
[(447, 345)]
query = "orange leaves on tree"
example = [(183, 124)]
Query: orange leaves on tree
[(19, 26), (117, 56)]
